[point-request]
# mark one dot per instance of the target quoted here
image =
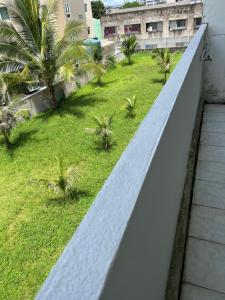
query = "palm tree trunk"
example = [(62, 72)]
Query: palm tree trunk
[(54, 103), (129, 59), (6, 138), (165, 78)]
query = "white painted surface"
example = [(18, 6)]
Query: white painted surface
[(122, 248), (214, 85)]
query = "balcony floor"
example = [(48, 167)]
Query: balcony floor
[(204, 270)]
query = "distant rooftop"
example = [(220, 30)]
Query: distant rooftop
[(152, 7)]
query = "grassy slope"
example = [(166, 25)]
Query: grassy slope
[(34, 227)]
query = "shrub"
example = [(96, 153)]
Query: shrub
[(7, 122), (103, 130), (130, 106), (65, 185)]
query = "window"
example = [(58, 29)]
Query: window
[(67, 10), (89, 30), (198, 22), (154, 2), (177, 24), (154, 26), (81, 17), (110, 31), (85, 7), (4, 13), (134, 28)]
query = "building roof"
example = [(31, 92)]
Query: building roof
[(152, 7)]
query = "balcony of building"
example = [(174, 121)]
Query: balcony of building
[(156, 229)]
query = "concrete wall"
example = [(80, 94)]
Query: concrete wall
[(214, 79), (122, 248), (40, 101)]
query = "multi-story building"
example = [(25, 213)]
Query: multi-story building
[(154, 2), (162, 25)]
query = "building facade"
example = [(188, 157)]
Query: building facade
[(163, 25)]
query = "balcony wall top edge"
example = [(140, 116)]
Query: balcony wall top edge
[(86, 261)]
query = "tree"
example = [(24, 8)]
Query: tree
[(103, 130), (131, 4), (130, 106), (7, 122), (98, 66), (65, 185), (128, 46), (164, 60), (34, 43), (98, 9)]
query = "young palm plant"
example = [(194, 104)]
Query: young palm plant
[(7, 122), (33, 43), (165, 61), (128, 46), (103, 130), (65, 186), (96, 64), (130, 106)]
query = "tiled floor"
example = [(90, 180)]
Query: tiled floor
[(204, 271)]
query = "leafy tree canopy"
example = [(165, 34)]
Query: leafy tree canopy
[(131, 4), (98, 9)]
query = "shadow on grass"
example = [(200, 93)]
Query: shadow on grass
[(126, 64), (99, 147), (19, 141), (73, 105), (158, 80), (76, 197), (94, 84)]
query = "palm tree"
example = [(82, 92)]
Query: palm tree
[(130, 106), (128, 46), (7, 122), (96, 64), (103, 130), (65, 184), (165, 62), (33, 43)]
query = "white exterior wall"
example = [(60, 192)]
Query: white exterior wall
[(214, 80)]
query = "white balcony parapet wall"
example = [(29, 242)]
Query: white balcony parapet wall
[(122, 248)]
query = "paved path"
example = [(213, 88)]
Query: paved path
[(204, 271)]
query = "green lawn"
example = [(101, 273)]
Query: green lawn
[(35, 226)]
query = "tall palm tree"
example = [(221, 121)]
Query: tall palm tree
[(31, 41), (128, 46), (165, 61)]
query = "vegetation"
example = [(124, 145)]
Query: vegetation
[(131, 4), (98, 9), (96, 65), (65, 185), (111, 63), (34, 45), (128, 46), (103, 130), (164, 60), (35, 223), (130, 106), (7, 121)]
